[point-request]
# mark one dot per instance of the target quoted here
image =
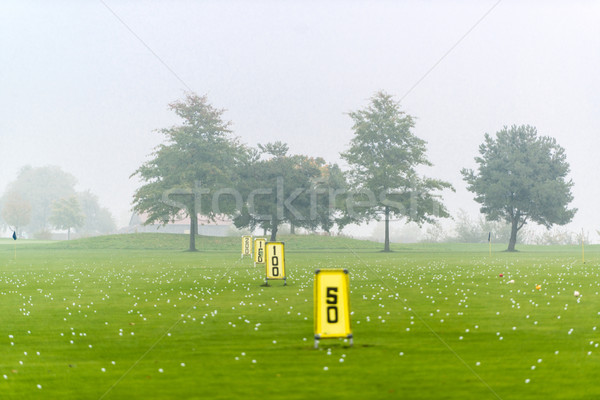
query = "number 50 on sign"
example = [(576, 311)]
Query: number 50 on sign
[(332, 304), (275, 261)]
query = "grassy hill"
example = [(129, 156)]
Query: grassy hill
[(294, 243), (157, 241)]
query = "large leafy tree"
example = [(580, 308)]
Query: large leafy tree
[(522, 177), (67, 214), (278, 189), (198, 159), (383, 158)]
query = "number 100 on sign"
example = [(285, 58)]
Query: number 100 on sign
[(275, 260)]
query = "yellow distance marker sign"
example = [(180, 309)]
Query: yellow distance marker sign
[(246, 246), (259, 250), (275, 261), (332, 304)]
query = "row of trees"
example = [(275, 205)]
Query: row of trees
[(43, 198), (203, 169)]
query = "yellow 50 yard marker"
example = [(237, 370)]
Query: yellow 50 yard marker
[(332, 305)]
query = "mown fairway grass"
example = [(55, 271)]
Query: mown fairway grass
[(134, 317)]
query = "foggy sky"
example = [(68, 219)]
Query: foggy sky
[(78, 89)]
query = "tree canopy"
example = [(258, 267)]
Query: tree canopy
[(383, 158), (198, 158), (522, 177), (280, 188)]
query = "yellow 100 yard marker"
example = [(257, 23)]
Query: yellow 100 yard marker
[(246, 246), (332, 305), (275, 262), (259, 251)]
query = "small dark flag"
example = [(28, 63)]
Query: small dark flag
[(14, 235), (489, 237)]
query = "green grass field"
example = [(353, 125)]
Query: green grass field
[(135, 317)]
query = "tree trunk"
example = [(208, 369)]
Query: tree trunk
[(513, 234), (265, 230), (274, 227), (193, 227), (292, 228), (69, 234), (386, 246)]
